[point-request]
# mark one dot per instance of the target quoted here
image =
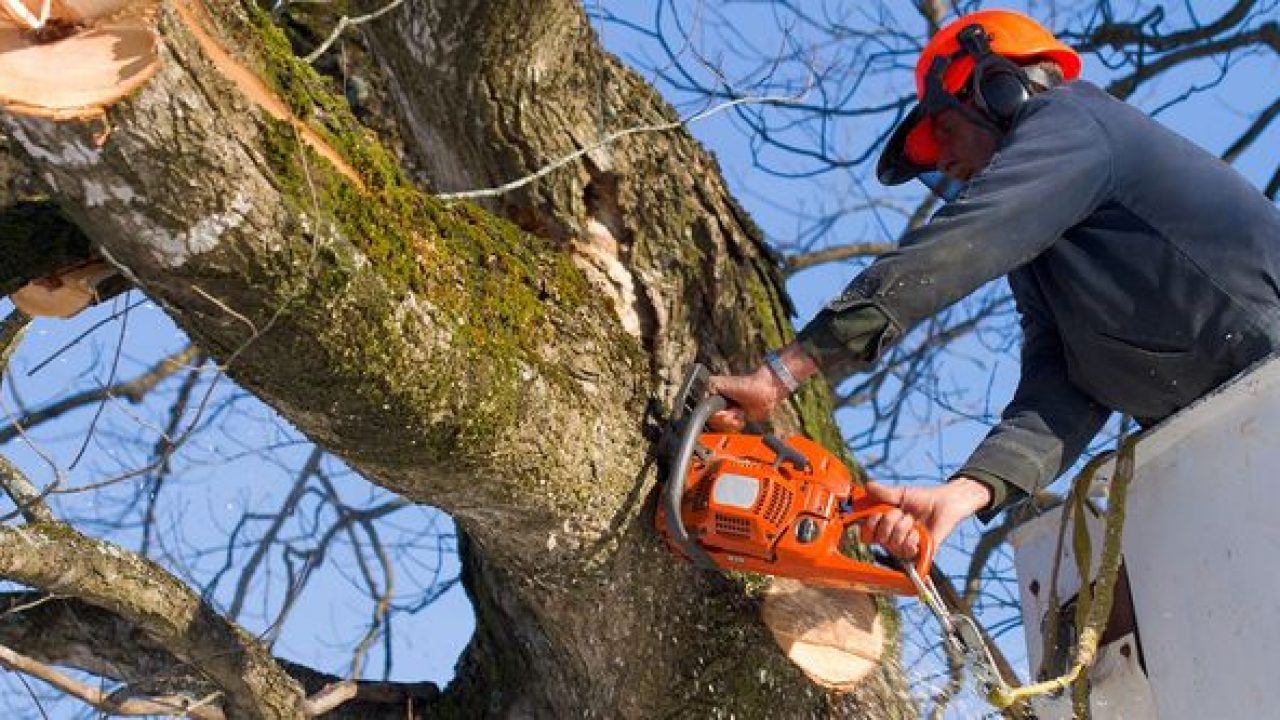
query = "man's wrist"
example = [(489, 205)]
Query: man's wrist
[(970, 493), (798, 360), (780, 370)]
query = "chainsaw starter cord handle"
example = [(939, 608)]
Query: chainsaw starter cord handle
[(786, 452), (778, 446), (679, 473)]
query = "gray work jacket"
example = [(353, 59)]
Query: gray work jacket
[(1146, 272)]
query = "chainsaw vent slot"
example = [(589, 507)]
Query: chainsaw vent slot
[(733, 526), (702, 496), (777, 504)]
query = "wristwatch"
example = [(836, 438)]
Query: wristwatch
[(780, 369)]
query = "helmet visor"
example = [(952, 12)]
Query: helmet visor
[(912, 149)]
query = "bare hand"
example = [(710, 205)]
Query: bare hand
[(753, 397), (938, 508)]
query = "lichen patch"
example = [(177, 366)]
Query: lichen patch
[(174, 249)]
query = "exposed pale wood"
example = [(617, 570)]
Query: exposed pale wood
[(78, 76), (835, 636)]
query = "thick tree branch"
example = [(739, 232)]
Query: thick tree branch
[(56, 559), (72, 633), (106, 702), (443, 353)]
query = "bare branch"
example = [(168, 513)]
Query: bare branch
[(168, 706), (14, 482), (133, 390), (801, 261), (57, 559), (349, 22), (1254, 130), (70, 633)]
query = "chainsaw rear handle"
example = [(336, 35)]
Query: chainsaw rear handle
[(863, 509), (679, 474)]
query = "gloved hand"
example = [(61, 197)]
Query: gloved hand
[(939, 508)]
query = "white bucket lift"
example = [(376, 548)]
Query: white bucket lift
[(1201, 549)]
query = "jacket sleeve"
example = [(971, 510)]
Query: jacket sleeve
[(1052, 171), (1049, 422)]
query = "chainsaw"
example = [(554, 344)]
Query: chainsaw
[(785, 507)]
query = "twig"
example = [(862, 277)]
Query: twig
[(614, 137), (30, 501), (330, 697), (801, 261), (133, 390), (346, 22), (167, 706)]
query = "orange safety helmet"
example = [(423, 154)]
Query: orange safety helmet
[(946, 66)]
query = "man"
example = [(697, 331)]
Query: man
[(1145, 270)]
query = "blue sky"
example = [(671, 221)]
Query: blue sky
[(221, 474)]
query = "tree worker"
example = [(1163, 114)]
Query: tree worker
[(1145, 270)]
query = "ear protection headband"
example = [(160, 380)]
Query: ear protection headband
[(998, 86)]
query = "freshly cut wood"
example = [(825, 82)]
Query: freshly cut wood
[(835, 636), (65, 295), (36, 13), (88, 55)]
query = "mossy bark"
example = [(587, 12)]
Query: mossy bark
[(500, 371)]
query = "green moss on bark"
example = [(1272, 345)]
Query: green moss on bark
[(499, 295)]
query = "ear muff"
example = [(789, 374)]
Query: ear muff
[(1000, 88)]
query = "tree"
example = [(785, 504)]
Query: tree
[(500, 372), (505, 374)]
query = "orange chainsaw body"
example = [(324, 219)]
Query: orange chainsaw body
[(747, 509)]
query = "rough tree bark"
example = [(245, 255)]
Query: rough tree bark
[(500, 373)]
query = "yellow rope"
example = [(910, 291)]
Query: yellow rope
[(1092, 611)]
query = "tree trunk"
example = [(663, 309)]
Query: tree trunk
[(502, 375)]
